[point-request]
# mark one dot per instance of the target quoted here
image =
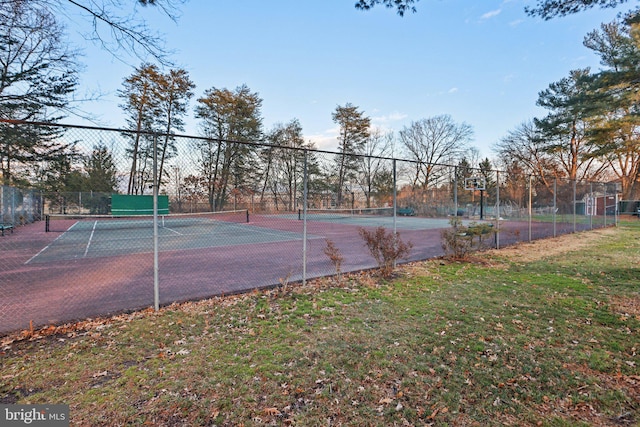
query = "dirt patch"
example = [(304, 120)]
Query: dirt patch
[(552, 247)]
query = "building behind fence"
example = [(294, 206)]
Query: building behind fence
[(72, 272)]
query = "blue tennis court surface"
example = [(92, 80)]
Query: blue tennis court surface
[(402, 222), (95, 239)]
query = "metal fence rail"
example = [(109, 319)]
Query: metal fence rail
[(294, 203)]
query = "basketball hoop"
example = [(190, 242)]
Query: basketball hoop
[(475, 183)]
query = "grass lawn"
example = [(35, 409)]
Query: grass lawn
[(541, 334)]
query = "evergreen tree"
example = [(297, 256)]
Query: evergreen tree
[(101, 171), (565, 129), (228, 120), (548, 9), (354, 131), (37, 76), (175, 90), (141, 95), (101, 180), (613, 101)]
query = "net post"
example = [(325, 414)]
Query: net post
[(47, 223), (247, 215)]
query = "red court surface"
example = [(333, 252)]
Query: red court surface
[(38, 290)]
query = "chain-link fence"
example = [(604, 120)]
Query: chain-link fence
[(19, 207), (128, 220)]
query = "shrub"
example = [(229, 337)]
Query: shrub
[(385, 248), (459, 240), (335, 256)]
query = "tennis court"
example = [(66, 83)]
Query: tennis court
[(85, 237), (90, 266), (107, 263), (94, 236), (371, 217)]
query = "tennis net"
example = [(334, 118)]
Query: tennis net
[(64, 223), (330, 214)]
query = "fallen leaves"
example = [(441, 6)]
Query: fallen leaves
[(271, 412), (436, 411), (100, 374)]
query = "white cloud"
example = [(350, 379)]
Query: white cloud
[(326, 140), (516, 22), (491, 14), (393, 117), (453, 90)]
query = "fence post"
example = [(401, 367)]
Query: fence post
[(395, 196), (555, 204), (395, 209), (604, 198), (13, 205), (595, 205), (575, 213), (305, 190), (455, 191), (156, 285), (497, 210), (530, 205)]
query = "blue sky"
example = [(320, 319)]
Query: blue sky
[(481, 61)]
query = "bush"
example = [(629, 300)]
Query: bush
[(385, 248), (335, 256), (459, 240)]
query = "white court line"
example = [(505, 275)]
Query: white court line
[(173, 231), (232, 227), (262, 230), (47, 247), (90, 239)]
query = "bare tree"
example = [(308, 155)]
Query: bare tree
[(374, 169), (526, 146), (282, 168), (430, 142), (117, 26)]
